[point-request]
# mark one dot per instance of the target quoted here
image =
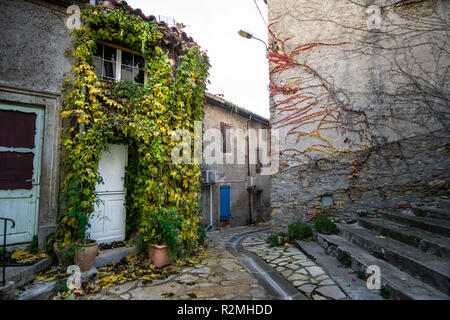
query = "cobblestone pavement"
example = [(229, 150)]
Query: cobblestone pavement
[(219, 276), (294, 266)]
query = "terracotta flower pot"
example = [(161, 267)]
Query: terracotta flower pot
[(59, 252), (159, 255), (85, 256)]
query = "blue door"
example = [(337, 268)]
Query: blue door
[(224, 203)]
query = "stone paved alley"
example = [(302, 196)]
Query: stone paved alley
[(221, 276), (299, 270)]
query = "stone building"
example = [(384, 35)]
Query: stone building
[(35, 37), (234, 192), (33, 62), (360, 94)]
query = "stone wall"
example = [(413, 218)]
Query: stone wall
[(360, 95), (34, 40), (408, 171)]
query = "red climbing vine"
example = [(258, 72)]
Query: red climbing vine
[(308, 110)]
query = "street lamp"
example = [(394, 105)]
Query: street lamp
[(249, 35)]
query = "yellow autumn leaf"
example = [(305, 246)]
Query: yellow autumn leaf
[(19, 254), (94, 91), (129, 256)]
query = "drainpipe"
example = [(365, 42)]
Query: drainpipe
[(248, 173), (210, 207)]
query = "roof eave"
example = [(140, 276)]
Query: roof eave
[(233, 108)]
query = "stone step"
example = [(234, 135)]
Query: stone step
[(23, 275), (400, 285), (428, 242), (432, 212), (442, 202), (110, 256), (427, 224), (426, 267), (39, 291), (353, 287)]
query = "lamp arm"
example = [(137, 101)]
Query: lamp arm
[(267, 49)]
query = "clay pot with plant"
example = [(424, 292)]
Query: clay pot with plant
[(62, 253), (79, 249), (85, 249), (85, 254), (81, 252), (164, 228)]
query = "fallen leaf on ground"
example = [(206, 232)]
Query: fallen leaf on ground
[(25, 256), (19, 254), (167, 294)]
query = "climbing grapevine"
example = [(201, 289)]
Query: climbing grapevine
[(96, 113)]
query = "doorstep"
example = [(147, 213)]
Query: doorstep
[(110, 256), (25, 274)]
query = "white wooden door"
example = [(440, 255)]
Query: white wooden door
[(21, 136), (108, 219)]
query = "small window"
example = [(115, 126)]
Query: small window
[(327, 201), (105, 59), (132, 67), (258, 160), (116, 64), (226, 142)]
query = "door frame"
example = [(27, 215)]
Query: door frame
[(103, 195), (50, 101), (37, 161)]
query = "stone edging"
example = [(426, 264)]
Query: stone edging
[(276, 286)]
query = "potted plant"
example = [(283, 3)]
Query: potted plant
[(62, 253), (164, 227), (81, 252), (77, 245), (84, 247), (60, 243)]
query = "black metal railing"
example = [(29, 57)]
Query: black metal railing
[(4, 247)]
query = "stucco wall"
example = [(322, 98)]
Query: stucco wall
[(345, 92), (234, 175), (34, 39)]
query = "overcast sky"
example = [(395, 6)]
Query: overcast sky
[(239, 67)]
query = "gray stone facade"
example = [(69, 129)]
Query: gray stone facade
[(32, 66), (408, 171), (245, 204), (360, 96)]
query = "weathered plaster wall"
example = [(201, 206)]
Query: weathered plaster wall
[(363, 114), (33, 43), (234, 175)]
